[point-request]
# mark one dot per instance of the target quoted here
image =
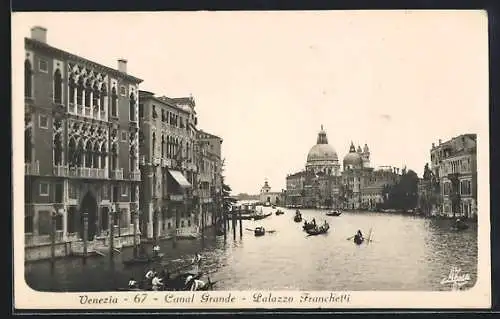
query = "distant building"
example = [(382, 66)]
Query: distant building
[(269, 197), (456, 158), (323, 183)]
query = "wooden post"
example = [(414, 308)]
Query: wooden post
[(176, 224), (135, 217), (111, 215), (85, 234), (233, 215), (224, 220), (241, 223), (53, 238)]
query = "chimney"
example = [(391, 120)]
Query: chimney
[(39, 34), (122, 65)]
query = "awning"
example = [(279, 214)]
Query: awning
[(179, 178)]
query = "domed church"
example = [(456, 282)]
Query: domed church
[(322, 157), (322, 184)]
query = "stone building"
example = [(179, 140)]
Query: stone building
[(81, 149), (268, 197), (456, 159), (323, 184), (168, 165), (209, 176)]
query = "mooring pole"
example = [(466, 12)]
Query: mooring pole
[(111, 215), (135, 215), (233, 215), (53, 238), (85, 234), (241, 223), (223, 221)]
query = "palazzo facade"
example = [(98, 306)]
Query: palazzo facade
[(81, 147)]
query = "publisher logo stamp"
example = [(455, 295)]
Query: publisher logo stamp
[(456, 279)]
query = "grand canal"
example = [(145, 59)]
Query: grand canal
[(408, 253)]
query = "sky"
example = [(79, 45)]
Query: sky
[(266, 81)]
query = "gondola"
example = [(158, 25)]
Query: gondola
[(143, 259), (323, 229), (459, 225), (279, 212), (259, 231), (334, 213), (259, 217), (308, 226), (358, 240), (297, 218)]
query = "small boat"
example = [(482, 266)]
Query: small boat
[(298, 216), (358, 240), (279, 212), (267, 204), (259, 231), (260, 216), (459, 225), (274, 206), (308, 225), (143, 259), (323, 229), (334, 213)]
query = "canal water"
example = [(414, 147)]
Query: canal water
[(407, 253)]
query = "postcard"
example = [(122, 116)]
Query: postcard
[(251, 160)]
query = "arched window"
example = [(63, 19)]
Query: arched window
[(95, 97), (114, 102), (132, 107), (79, 92), (162, 145), (153, 144), (79, 154), (103, 155), (96, 153), (72, 152), (88, 154), (58, 149), (71, 93), (132, 159), (103, 95), (88, 90), (58, 87), (114, 156), (28, 79), (27, 145)]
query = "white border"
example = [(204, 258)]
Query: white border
[(24, 297)]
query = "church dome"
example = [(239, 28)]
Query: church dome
[(322, 151), (353, 158)]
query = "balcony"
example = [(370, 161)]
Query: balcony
[(117, 174), (32, 168), (60, 170), (87, 172), (135, 175)]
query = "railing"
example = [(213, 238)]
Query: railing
[(32, 168), (40, 240), (117, 174), (60, 170), (87, 172), (135, 175)]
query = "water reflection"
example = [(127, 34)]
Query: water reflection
[(407, 253)]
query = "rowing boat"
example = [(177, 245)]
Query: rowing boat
[(143, 260), (323, 229)]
